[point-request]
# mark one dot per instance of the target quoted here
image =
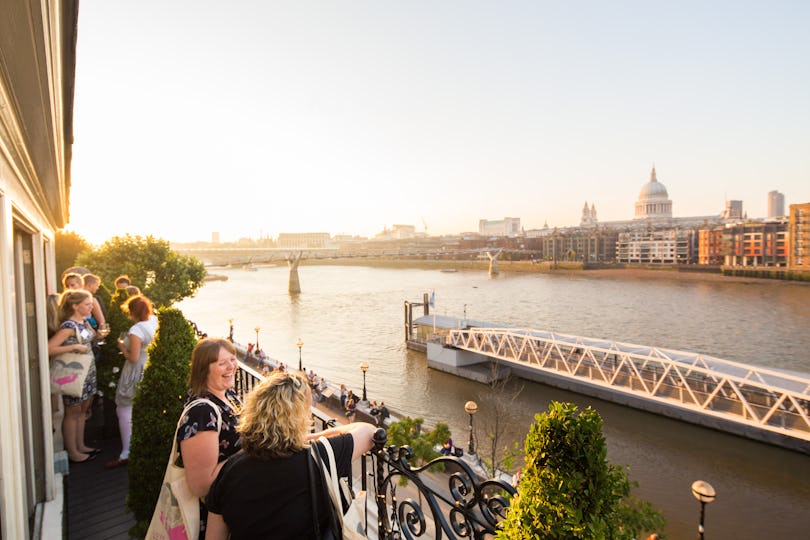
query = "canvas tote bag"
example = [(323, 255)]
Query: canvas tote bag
[(69, 371), (352, 522), (177, 513)]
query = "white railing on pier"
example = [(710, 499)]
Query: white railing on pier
[(769, 399)]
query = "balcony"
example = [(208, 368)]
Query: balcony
[(453, 502)]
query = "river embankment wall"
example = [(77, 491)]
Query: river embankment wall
[(610, 271)]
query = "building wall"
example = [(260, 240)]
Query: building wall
[(776, 204), (799, 237), (672, 246), (36, 102), (503, 227), (303, 240), (756, 244)]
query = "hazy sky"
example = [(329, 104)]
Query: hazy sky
[(258, 117)]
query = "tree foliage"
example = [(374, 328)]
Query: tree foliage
[(568, 489), (156, 409), (408, 432), (67, 246), (161, 273)]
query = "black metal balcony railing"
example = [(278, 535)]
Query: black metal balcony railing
[(463, 508)]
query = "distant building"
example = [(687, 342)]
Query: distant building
[(313, 240), (799, 234), (215, 238), (502, 227), (776, 204), (668, 246), (653, 201), (734, 210), (402, 232), (710, 246), (760, 243), (588, 216)]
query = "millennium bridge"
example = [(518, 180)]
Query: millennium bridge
[(768, 405)]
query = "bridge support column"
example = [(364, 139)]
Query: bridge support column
[(493, 262), (294, 286)]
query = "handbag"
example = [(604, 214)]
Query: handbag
[(69, 371), (177, 512), (352, 522)]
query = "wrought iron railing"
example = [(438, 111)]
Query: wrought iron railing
[(443, 498), (247, 378), (451, 500)]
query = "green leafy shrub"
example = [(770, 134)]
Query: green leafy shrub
[(155, 411), (110, 359), (568, 489)]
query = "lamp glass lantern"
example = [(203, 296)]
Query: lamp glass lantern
[(471, 408), (364, 368), (300, 344), (705, 493)]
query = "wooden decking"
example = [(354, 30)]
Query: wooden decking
[(96, 497)]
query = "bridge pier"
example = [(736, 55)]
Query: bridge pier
[(294, 284), (493, 262)]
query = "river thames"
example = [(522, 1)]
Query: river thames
[(349, 314)]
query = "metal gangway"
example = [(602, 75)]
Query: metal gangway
[(769, 400)]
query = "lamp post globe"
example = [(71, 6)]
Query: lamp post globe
[(300, 345), (471, 408), (257, 338), (364, 368), (705, 493), (230, 330)]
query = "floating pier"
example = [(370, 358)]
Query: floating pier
[(763, 404)]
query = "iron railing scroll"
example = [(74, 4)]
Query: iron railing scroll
[(463, 508)]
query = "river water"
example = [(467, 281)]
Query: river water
[(349, 314)]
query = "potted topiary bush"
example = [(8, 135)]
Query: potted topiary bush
[(155, 411)]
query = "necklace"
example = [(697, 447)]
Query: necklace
[(235, 404)]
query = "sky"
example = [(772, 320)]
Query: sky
[(253, 118)]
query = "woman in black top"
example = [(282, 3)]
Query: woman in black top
[(264, 490), (205, 445)]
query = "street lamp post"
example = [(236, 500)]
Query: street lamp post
[(471, 407), (300, 344), (364, 368), (230, 331), (257, 338), (704, 492)]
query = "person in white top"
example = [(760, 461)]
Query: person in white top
[(133, 347)]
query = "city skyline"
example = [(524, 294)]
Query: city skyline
[(263, 118)]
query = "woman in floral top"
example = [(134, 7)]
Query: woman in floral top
[(204, 448), (75, 335)]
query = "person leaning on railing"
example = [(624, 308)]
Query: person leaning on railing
[(204, 448), (264, 490)]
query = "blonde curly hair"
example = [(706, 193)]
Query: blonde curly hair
[(276, 417)]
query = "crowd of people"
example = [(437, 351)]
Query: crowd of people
[(77, 322), (263, 443)]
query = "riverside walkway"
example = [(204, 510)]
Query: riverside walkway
[(762, 404)]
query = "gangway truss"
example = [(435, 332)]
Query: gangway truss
[(768, 399)]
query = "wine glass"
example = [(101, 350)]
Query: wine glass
[(103, 331)]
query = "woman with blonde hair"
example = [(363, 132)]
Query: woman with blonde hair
[(76, 335), (264, 490)]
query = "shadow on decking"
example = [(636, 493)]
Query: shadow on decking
[(96, 497)]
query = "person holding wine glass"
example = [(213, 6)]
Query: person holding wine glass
[(133, 347)]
